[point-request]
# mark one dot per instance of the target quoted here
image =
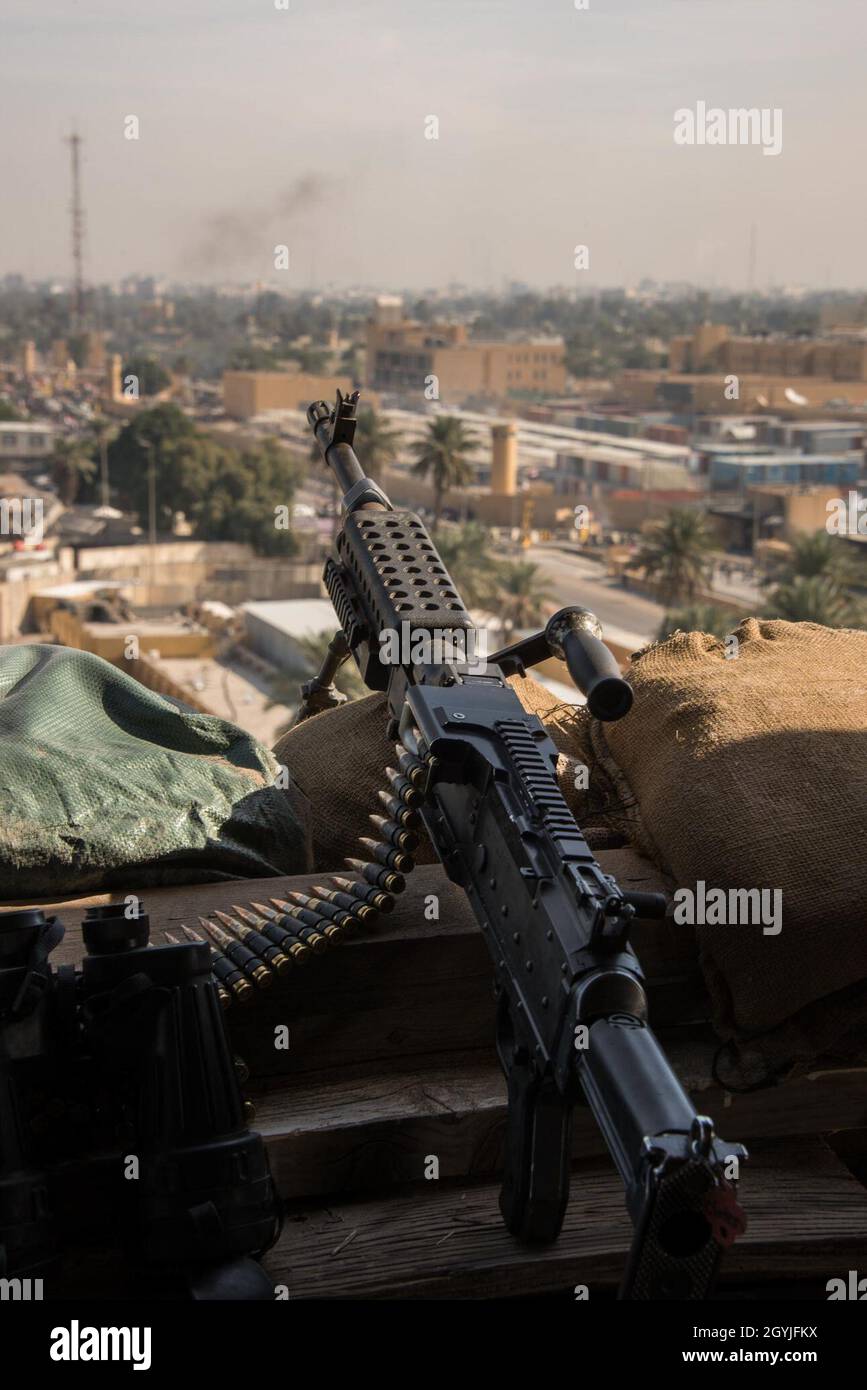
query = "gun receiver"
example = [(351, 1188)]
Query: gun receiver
[(572, 1011)]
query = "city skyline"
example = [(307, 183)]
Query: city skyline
[(307, 128)]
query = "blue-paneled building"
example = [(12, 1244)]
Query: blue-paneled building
[(730, 471)]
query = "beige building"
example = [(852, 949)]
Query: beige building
[(94, 352), (249, 393), (772, 373), (438, 361), (709, 393), (712, 348), (785, 511), (27, 358)]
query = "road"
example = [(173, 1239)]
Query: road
[(572, 579), (630, 619)]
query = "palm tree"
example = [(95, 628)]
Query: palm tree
[(676, 554), (814, 556), (816, 598), (443, 457), (286, 688), (697, 617), (521, 595), (71, 465)]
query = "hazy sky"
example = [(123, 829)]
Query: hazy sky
[(306, 127)]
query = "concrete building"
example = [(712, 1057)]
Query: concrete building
[(274, 628), (772, 373), (737, 468), (406, 357), (701, 394), (246, 394), (27, 358), (504, 459), (713, 348), (814, 436), (25, 441), (94, 352), (589, 469), (60, 356), (112, 385), (771, 515)]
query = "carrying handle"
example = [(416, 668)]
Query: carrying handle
[(574, 635)]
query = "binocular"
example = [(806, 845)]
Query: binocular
[(121, 1116)]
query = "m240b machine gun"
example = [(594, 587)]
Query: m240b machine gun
[(479, 771)]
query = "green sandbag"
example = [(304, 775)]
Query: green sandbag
[(105, 785)]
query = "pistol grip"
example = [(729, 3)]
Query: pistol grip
[(536, 1171)]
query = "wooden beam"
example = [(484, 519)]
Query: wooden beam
[(361, 1130), (412, 986), (807, 1220)]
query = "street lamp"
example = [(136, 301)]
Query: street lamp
[(147, 446), (102, 441)]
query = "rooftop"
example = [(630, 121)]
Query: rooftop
[(298, 617)]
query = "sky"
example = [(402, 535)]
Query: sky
[(305, 127)]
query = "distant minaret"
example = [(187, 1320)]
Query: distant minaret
[(752, 272), (74, 142)]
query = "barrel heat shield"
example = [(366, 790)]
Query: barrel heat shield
[(388, 577)]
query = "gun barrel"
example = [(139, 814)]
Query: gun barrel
[(338, 454)]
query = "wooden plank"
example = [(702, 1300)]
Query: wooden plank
[(361, 1130), (807, 1219), (411, 987)]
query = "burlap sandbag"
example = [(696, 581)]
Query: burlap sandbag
[(338, 760), (752, 772)]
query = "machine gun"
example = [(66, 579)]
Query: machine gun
[(479, 772)]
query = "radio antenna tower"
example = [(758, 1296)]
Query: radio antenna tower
[(74, 142)]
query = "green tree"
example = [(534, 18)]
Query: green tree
[(241, 497), (815, 598), (225, 494), (377, 444), (249, 358), (443, 457), (8, 411), (521, 596), (152, 375), (467, 555), (71, 466), (815, 555), (698, 617), (676, 554), (184, 462), (312, 359), (811, 584)]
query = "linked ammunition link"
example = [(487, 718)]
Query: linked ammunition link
[(252, 948)]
